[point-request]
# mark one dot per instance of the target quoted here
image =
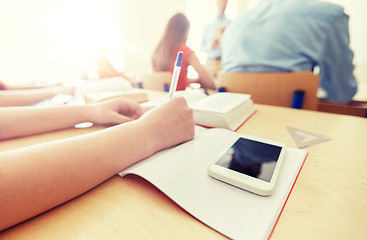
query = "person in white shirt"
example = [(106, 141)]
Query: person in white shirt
[(212, 37)]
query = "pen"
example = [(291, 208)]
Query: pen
[(175, 75)]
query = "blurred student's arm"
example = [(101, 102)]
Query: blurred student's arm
[(24, 97), (205, 79), (336, 65)]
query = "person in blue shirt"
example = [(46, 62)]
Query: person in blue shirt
[(293, 36), (212, 37)]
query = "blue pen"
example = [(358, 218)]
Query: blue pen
[(175, 75)]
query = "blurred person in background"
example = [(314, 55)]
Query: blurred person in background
[(174, 40), (212, 38), (294, 36)]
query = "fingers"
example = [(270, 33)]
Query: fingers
[(165, 126), (170, 124), (180, 120), (131, 109), (114, 111), (116, 118), (124, 107)]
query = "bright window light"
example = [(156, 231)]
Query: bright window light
[(52, 40)]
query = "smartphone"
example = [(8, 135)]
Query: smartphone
[(251, 163)]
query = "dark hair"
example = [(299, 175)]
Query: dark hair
[(174, 35)]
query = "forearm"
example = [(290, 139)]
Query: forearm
[(21, 121), (206, 80), (25, 97), (58, 171), (336, 66)]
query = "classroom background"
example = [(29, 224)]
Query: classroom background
[(52, 40)]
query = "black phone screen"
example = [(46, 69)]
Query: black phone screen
[(250, 157)]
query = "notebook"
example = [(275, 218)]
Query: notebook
[(135, 95), (220, 110), (181, 173)]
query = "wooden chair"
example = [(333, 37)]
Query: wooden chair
[(273, 88), (159, 81)]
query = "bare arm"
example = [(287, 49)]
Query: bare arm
[(21, 121), (205, 79), (37, 178), (24, 97)]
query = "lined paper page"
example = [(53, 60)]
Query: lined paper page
[(181, 173)]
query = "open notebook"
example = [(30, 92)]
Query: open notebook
[(181, 173)]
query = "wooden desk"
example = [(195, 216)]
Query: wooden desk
[(329, 200)]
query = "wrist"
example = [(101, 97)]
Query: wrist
[(76, 113), (150, 135), (87, 113)]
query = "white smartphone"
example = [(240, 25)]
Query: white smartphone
[(251, 163)]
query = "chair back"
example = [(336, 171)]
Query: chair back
[(273, 88), (159, 81)]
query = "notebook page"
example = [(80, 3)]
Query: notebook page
[(181, 173)]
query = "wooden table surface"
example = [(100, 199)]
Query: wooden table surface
[(329, 200)]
